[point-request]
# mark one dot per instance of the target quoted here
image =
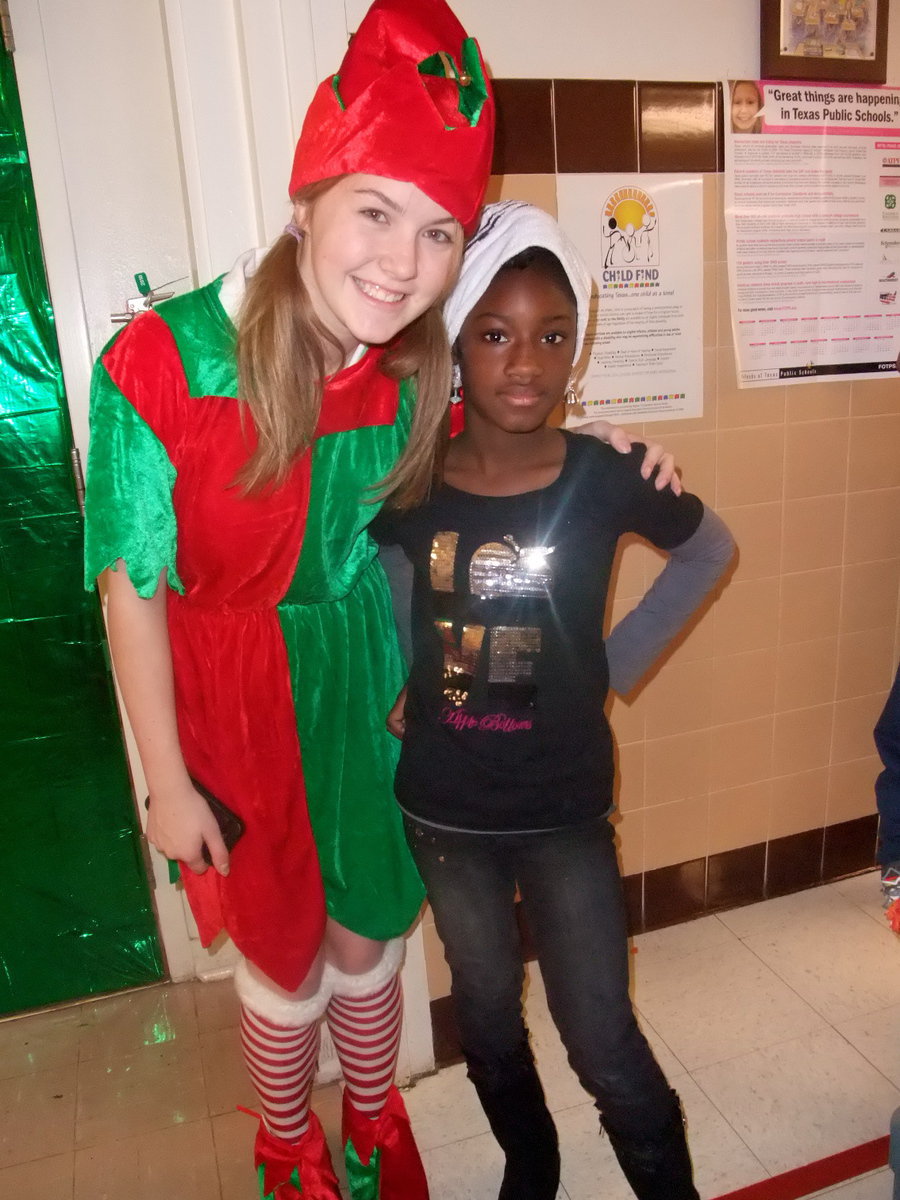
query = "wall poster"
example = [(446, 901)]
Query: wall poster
[(642, 237), (812, 212)]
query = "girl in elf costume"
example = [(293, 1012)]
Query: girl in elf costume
[(243, 436)]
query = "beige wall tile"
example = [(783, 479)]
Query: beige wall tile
[(710, 305), (533, 189), (436, 969), (806, 674), (750, 466), (711, 205), (740, 753), (725, 330), (875, 452), (810, 605), (675, 833), (870, 595), (723, 235), (695, 454), (628, 569), (741, 408), (873, 526), (627, 719), (658, 431), (851, 789), (654, 564), (629, 827), (798, 802), (802, 739), (815, 458), (679, 699), (746, 616), (818, 402), (744, 685), (866, 663), (854, 721), (872, 396), (676, 767), (757, 530), (813, 533), (739, 816), (630, 776)]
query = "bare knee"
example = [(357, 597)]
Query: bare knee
[(351, 953)]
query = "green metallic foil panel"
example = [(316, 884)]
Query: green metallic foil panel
[(76, 916)]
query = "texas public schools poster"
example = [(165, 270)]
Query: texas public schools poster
[(812, 213)]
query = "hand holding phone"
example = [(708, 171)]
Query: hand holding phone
[(231, 826)]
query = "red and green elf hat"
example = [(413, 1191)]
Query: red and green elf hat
[(412, 102)]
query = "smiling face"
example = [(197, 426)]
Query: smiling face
[(376, 254), (515, 352), (745, 106)]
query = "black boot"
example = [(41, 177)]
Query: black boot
[(513, 1101), (657, 1167)]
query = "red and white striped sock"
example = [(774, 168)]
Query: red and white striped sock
[(282, 1064), (366, 1035)]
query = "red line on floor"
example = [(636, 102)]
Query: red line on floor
[(826, 1172)]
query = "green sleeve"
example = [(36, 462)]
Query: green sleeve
[(128, 504)]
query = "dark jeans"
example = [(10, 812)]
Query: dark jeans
[(887, 785), (570, 887)]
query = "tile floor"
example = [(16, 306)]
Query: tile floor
[(778, 1023)]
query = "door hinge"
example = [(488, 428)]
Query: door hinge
[(6, 27), (77, 473)]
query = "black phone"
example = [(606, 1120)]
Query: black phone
[(231, 826)]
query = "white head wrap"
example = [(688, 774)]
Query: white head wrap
[(505, 230)]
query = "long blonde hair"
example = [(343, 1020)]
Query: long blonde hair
[(281, 350)]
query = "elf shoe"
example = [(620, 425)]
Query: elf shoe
[(382, 1158), (291, 1170)]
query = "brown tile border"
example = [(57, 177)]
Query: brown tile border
[(794, 862), (674, 894), (850, 847), (633, 889), (736, 877), (524, 143), (447, 1049), (612, 125), (678, 126), (596, 125)]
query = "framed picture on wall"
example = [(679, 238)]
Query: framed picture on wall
[(828, 40)]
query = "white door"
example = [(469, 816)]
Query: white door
[(161, 138)]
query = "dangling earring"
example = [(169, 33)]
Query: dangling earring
[(456, 384), (573, 404)]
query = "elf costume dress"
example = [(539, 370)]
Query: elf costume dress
[(279, 619), (280, 622)]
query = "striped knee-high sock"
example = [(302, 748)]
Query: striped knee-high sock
[(282, 1065), (366, 1035)]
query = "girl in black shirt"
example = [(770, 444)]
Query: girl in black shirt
[(506, 770)]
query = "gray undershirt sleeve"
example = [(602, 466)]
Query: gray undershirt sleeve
[(690, 573), (399, 573)]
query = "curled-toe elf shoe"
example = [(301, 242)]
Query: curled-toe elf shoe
[(382, 1158), (291, 1170)]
